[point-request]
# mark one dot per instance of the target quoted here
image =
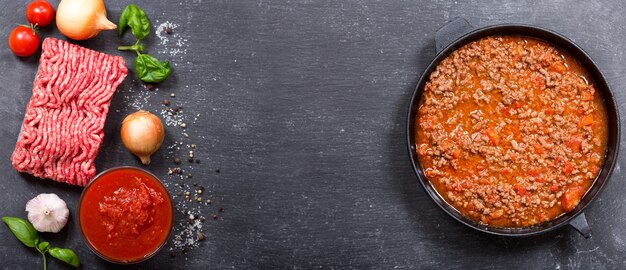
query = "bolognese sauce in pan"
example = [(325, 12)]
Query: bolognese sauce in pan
[(511, 131)]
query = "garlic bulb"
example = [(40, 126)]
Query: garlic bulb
[(47, 212)]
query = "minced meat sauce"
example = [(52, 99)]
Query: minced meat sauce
[(511, 131)]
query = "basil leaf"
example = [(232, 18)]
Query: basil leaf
[(150, 69), (66, 255), (43, 246), (135, 18), (23, 230), (121, 27)]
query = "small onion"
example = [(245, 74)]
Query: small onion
[(82, 19), (142, 133)]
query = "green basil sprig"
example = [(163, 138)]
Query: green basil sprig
[(136, 19), (66, 255), (26, 233), (147, 67), (23, 230), (151, 69)]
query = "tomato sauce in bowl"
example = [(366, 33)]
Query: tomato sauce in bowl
[(125, 215)]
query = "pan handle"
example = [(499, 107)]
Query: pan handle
[(580, 224), (450, 32)]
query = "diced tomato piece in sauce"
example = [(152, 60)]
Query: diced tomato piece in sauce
[(554, 188), (571, 197), (558, 67), (456, 153), (506, 111), (568, 168), (539, 82), (493, 136), (586, 120), (520, 190), (586, 96), (497, 214), (575, 143), (539, 149), (533, 172)]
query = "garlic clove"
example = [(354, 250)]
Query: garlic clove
[(47, 212)]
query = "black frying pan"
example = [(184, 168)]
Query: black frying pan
[(458, 33)]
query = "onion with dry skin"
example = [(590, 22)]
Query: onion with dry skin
[(82, 19), (142, 133)]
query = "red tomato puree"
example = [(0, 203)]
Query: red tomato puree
[(126, 214)]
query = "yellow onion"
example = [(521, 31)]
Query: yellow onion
[(82, 19), (142, 133)]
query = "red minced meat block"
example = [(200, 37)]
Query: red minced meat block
[(62, 129)]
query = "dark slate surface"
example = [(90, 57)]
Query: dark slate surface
[(302, 108)]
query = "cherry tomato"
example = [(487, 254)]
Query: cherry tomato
[(23, 41), (40, 13)]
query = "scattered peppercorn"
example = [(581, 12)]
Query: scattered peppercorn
[(166, 102), (180, 193), (215, 216), (172, 254), (197, 161), (217, 171), (221, 210), (168, 30), (190, 159), (201, 236), (176, 160), (189, 175), (150, 86)]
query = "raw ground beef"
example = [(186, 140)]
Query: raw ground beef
[(62, 128)]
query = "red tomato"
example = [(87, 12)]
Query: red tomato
[(23, 41), (40, 13)]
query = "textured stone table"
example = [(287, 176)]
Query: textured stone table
[(302, 107)]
